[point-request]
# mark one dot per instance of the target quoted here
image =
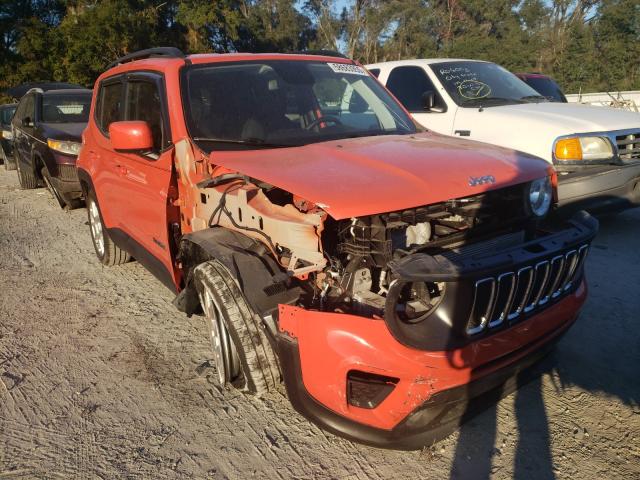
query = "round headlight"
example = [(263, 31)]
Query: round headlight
[(540, 196)]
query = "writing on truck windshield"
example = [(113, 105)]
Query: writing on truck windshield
[(280, 103), (472, 84)]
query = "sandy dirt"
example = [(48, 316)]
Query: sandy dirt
[(100, 377)]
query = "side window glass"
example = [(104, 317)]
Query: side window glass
[(20, 110), (108, 105), (143, 103), (409, 84), (375, 72), (29, 110)]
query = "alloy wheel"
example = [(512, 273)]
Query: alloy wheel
[(95, 223), (224, 353)]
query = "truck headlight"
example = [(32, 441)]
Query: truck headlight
[(583, 148), (7, 135), (540, 196), (62, 146)]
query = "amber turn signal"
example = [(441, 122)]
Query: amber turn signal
[(568, 149)]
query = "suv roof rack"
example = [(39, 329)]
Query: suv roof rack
[(325, 53), (167, 52)]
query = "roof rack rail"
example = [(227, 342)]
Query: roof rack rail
[(325, 53), (168, 52)]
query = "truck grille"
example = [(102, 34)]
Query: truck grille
[(510, 295), (629, 146)]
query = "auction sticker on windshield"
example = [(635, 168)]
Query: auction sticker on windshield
[(348, 68)]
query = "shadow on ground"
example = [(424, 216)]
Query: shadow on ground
[(587, 357)]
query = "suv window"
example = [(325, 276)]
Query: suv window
[(408, 84), (7, 115), (66, 108), (109, 105), (27, 109), (143, 103)]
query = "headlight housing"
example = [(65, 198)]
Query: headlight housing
[(7, 134), (63, 146), (583, 148), (540, 196)]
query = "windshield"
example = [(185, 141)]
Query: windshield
[(473, 84), (6, 114), (66, 108), (547, 88), (283, 103)]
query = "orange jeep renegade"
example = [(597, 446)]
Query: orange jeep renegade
[(386, 275)]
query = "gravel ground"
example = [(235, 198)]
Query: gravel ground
[(100, 377)]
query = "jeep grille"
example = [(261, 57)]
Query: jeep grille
[(510, 295)]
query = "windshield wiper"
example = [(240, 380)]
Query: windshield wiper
[(251, 142), (484, 100), (534, 97)]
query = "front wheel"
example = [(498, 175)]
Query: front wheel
[(106, 250), (242, 350)]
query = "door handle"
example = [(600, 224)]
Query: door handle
[(122, 170)]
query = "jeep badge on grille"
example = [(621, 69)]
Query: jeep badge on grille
[(486, 179)]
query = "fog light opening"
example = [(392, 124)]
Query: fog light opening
[(368, 390)]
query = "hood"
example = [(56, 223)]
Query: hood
[(64, 131), (364, 176), (568, 118)]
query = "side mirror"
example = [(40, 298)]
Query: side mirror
[(428, 100), (26, 122), (131, 136)]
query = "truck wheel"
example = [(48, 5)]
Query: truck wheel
[(242, 351), (27, 178), (47, 183), (107, 252)]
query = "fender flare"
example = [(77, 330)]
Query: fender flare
[(262, 280)]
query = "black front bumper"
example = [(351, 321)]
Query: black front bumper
[(599, 189), (437, 417)]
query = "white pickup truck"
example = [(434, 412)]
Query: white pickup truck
[(595, 150)]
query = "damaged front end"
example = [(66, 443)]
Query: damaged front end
[(386, 324)]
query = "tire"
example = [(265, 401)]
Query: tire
[(27, 179), (54, 193), (106, 250), (249, 364)]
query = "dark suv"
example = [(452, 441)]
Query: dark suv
[(544, 85), (47, 130), (6, 141)]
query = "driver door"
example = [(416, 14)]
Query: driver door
[(138, 189), (408, 83)]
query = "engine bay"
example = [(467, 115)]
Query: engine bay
[(345, 265)]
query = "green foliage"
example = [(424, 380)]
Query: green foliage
[(585, 44)]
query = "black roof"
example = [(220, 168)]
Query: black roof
[(166, 52), (18, 91)]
